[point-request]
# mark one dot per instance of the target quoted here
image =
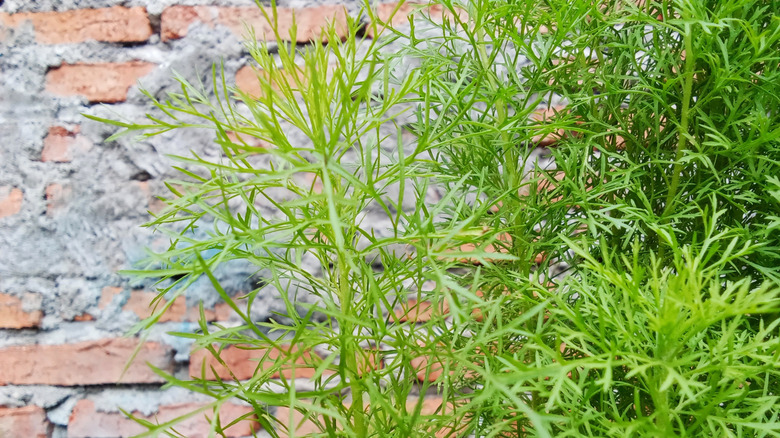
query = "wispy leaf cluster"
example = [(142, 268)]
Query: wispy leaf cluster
[(620, 282)]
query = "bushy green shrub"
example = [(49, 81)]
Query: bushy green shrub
[(661, 206), (629, 288)]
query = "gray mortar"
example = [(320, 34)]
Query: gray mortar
[(144, 401), (44, 396), (80, 249), (59, 415)]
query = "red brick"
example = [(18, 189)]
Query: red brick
[(153, 204), (302, 427), (430, 368), (87, 421), (386, 14), (386, 17), (311, 180), (107, 83), (505, 240), (10, 201), (542, 185), (369, 360), (61, 145), (139, 303), (541, 116), (84, 317), (13, 314), (420, 365), (107, 294), (477, 311), (57, 197), (117, 24), (175, 21), (421, 311), (27, 422), (222, 312), (433, 406), (247, 139), (85, 363), (243, 363), (248, 82)]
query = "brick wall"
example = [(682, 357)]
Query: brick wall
[(71, 205)]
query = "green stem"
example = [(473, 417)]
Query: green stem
[(663, 420), (662, 414), (510, 155), (349, 349), (682, 141)]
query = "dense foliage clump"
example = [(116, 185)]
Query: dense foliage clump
[(624, 285)]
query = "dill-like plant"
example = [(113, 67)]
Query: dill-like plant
[(622, 282), (654, 310)]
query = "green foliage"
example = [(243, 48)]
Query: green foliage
[(654, 311), (662, 204)]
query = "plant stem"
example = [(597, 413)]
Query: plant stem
[(661, 402), (348, 348), (682, 140), (510, 152), (684, 120), (510, 156)]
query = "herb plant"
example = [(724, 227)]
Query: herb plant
[(626, 285)]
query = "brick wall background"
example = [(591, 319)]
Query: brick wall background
[(71, 204)]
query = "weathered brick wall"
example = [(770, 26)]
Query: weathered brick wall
[(71, 205)]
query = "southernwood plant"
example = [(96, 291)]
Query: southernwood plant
[(629, 287)]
